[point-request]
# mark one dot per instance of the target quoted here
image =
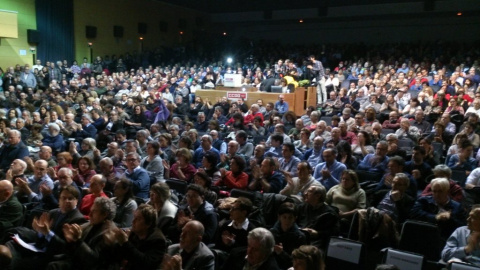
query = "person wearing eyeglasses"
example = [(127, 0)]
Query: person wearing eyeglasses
[(137, 175)]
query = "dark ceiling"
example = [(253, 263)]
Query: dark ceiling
[(226, 6)]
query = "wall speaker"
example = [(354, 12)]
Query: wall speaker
[(90, 31), (117, 31), (33, 36), (142, 28)]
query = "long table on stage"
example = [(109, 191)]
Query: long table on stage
[(297, 101)]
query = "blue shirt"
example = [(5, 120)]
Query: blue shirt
[(369, 163), (34, 184), (141, 182), (274, 152), (199, 153), (281, 107), (455, 247), (290, 166), (335, 170)]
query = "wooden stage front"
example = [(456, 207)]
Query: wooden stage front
[(298, 101)]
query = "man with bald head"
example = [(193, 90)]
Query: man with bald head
[(191, 253), (10, 208), (32, 187)]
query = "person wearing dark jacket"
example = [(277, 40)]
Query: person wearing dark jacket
[(144, 248), (440, 209), (233, 233), (259, 253), (287, 235)]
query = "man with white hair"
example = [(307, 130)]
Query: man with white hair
[(259, 253), (87, 130), (15, 149), (53, 138), (439, 208), (34, 186), (252, 113), (17, 170), (51, 197)]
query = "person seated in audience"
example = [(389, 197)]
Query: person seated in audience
[(11, 211), (328, 173), (406, 131), (348, 197), (308, 257), (431, 157), (153, 163), (396, 202), (314, 156), (417, 168), (196, 209), (143, 246), (376, 163), (206, 146), (420, 122), (51, 197), (244, 148), (30, 189), (17, 170), (182, 169), (267, 178), (287, 234), (393, 121), (345, 155), (109, 171), (85, 247), (317, 219), (296, 186), (259, 253), (377, 134), (294, 132), (67, 213), (463, 161), (288, 162), (346, 135), (95, 190), (303, 143), (439, 208), (202, 179), (275, 149), (125, 203), (462, 245), (137, 175), (209, 166), (395, 165), (321, 130), (232, 151), (279, 130), (160, 199), (233, 233), (393, 148), (456, 192), (363, 146), (235, 177), (191, 252), (84, 173)]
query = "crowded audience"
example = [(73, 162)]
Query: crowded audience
[(138, 155)]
